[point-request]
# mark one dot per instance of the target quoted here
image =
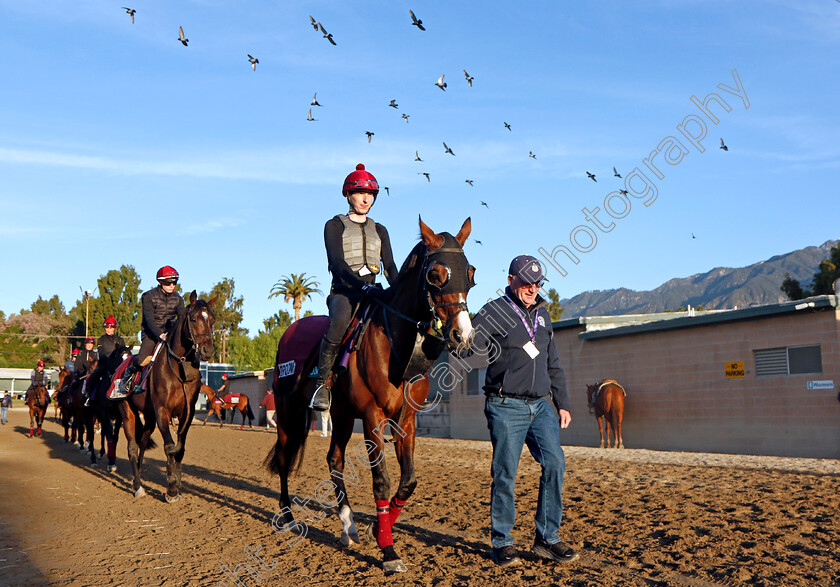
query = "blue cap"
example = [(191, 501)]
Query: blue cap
[(527, 268)]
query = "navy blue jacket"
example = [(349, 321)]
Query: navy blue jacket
[(511, 371)]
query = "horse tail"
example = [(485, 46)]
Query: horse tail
[(294, 420)]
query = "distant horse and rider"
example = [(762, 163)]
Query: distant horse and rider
[(606, 403), (218, 406), (169, 389), (37, 399), (386, 382)]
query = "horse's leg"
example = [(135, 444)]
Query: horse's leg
[(132, 432), (619, 416), (242, 413), (404, 447), (601, 430), (342, 430), (374, 421), (89, 425)]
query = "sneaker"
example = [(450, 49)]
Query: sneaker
[(557, 552), (506, 556)]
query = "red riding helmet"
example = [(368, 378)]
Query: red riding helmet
[(224, 375), (360, 181), (110, 321), (41, 363), (75, 352), (167, 273), (89, 340)]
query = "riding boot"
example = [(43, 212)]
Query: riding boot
[(321, 400), (127, 381)]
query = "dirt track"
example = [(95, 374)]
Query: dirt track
[(637, 517)]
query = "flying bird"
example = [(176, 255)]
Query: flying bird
[(722, 146), (405, 117), (478, 242), (531, 155), (469, 181), (616, 173), (387, 191), (393, 104), (181, 36), (415, 22), (254, 62), (483, 203), (327, 36), (507, 126), (692, 235), (440, 83), (130, 12), (448, 150), (309, 118), (623, 192), (469, 77), (314, 23), (591, 176), (369, 134), (417, 156), (315, 100), (427, 176)]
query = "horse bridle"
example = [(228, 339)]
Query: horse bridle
[(462, 283)]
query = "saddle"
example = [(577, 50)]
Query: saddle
[(142, 375), (614, 382), (232, 398)]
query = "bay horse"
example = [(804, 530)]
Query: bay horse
[(172, 386), (102, 409), (64, 377), (606, 400), (424, 309), (218, 405), (72, 412), (37, 399)]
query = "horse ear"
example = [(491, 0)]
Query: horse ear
[(464, 233), (212, 302), (430, 239), (193, 297)]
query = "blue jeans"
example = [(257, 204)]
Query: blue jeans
[(3, 413), (514, 423)]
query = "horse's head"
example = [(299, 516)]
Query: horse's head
[(117, 356), (199, 321), (447, 278)]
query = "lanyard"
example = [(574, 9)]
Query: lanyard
[(531, 332)]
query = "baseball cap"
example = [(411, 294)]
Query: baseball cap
[(527, 268)]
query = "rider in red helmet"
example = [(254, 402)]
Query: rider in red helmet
[(358, 249), (161, 307), (85, 359), (105, 345), (38, 377)]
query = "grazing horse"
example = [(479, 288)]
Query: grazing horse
[(37, 400), (218, 405), (171, 391), (103, 409), (606, 400), (386, 382)]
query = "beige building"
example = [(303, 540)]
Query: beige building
[(758, 380)]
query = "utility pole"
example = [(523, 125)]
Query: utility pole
[(224, 334), (87, 310)]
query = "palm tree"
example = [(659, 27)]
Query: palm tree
[(295, 288)]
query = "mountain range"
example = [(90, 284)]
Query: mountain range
[(720, 288)]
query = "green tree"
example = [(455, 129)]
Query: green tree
[(257, 353), (295, 288), (119, 294), (554, 308), (822, 282), (228, 312), (52, 307)]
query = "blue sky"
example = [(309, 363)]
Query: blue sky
[(118, 145)]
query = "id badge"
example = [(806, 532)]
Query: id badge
[(364, 271), (530, 348)]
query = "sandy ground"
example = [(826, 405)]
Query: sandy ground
[(637, 517)]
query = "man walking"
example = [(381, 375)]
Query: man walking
[(5, 404), (524, 371)]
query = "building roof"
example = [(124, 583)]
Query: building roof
[(610, 326)]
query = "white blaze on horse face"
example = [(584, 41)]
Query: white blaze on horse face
[(463, 324)]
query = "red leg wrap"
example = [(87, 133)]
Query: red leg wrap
[(383, 526), (395, 507)]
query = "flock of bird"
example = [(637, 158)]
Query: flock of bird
[(319, 27)]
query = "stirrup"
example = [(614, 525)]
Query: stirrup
[(321, 398)]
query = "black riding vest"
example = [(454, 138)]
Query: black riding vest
[(107, 344), (165, 308)]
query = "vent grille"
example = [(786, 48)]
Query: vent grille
[(771, 362)]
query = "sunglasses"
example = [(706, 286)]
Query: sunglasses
[(168, 281)]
